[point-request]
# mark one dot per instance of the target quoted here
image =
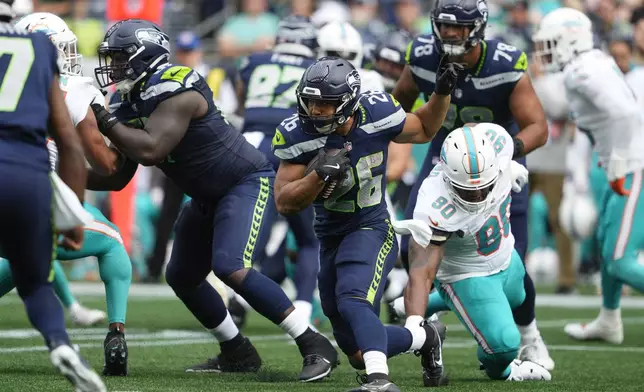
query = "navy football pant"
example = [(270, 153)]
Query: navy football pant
[(27, 241), (353, 269), (524, 314), (307, 264)]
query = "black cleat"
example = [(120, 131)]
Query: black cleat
[(320, 357), (432, 355), (116, 355), (242, 359), (377, 385), (237, 312)]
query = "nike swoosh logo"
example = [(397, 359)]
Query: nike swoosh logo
[(336, 166), (175, 72)]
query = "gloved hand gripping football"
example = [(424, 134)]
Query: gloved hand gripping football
[(331, 165)]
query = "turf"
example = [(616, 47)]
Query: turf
[(164, 338)]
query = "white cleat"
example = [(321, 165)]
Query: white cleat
[(596, 330), (527, 371), (70, 364), (536, 351), (86, 317)]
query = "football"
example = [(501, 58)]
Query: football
[(326, 192)]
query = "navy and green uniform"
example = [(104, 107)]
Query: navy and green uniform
[(482, 94), (27, 70), (270, 80), (228, 219), (358, 247)]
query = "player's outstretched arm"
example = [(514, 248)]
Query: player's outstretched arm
[(406, 91), (104, 160), (423, 265), (71, 167), (164, 129), (397, 160), (528, 113), (293, 190)]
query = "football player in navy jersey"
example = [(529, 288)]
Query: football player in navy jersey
[(343, 137), (267, 92), (32, 106), (495, 88), (164, 115)]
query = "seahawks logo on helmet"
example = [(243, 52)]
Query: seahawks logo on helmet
[(153, 36), (353, 79)]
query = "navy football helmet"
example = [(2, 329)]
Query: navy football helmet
[(296, 35), (389, 56), (131, 50), (470, 14), (333, 81)]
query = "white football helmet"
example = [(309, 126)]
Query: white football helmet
[(69, 61), (342, 40), (578, 215), (562, 35), (470, 166)]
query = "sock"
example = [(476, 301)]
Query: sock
[(529, 332), (375, 362), (368, 331), (225, 331), (204, 303), (418, 334), (295, 324), (46, 315), (61, 285), (305, 309), (115, 269), (610, 316), (265, 296), (6, 279), (399, 340), (524, 314)]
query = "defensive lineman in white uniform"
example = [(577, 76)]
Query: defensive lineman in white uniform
[(604, 107), (461, 237)]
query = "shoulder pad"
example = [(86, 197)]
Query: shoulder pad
[(291, 144), (507, 57), (420, 49), (169, 81), (380, 112)]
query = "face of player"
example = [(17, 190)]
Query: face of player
[(321, 108), (118, 64), (473, 195), (454, 34), (325, 112)]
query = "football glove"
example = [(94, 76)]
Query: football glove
[(519, 176), (104, 119), (447, 76), (332, 166), (616, 172)]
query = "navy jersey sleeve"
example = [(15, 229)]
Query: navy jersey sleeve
[(291, 144), (382, 114), (423, 58), (169, 82)]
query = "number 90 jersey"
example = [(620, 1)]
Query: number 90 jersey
[(476, 244), (270, 80), (358, 201)]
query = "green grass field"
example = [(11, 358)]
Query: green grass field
[(164, 338)]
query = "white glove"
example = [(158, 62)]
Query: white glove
[(419, 230), (617, 165), (519, 176)]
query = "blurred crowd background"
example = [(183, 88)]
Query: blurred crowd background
[(212, 36)]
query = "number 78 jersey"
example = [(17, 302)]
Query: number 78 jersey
[(477, 244)]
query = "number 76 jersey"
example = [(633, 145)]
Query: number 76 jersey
[(475, 244)]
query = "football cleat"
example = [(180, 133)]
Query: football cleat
[(75, 369), (527, 371), (432, 355), (378, 385), (85, 317), (116, 354), (241, 359), (535, 350), (596, 330), (320, 357)]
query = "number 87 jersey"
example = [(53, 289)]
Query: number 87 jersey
[(476, 237)]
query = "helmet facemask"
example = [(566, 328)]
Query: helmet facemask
[(71, 62), (475, 198), (115, 67), (326, 123), (545, 53), (470, 35)]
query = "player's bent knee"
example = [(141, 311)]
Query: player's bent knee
[(502, 346), (347, 304), (224, 265)]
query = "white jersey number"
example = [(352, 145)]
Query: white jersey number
[(14, 77)]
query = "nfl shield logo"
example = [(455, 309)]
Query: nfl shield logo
[(348, 146)]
